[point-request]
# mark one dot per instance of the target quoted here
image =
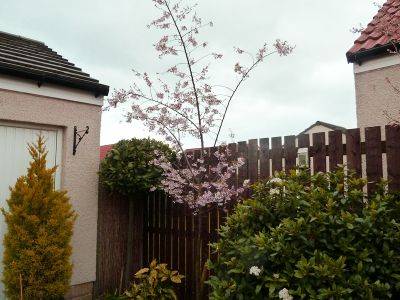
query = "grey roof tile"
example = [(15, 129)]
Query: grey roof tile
[(23, 57)]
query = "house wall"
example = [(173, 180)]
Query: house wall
[(78, 173), (374, 95)]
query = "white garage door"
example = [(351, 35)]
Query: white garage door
[(14, 160)]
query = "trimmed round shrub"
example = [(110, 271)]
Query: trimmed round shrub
[(310, 237), (127, 168)]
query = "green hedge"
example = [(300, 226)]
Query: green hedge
[(317, 236), (127, 168)]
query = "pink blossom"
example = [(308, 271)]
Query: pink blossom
[(283, 48)]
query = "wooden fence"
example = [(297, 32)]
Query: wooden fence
[(169, 228)]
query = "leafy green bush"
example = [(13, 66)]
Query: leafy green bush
[(37, 244), (310, 237), (127, 169), (155, 282)]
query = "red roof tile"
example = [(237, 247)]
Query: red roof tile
[(380, 32), (104, 150)]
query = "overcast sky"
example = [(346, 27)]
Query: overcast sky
[(284, 95)]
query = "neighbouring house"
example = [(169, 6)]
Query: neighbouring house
[(43, 93), (320, 126), (376, 69), (104, 150)]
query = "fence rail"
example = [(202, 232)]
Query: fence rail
[(169, 228)]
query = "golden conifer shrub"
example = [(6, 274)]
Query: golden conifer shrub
[(37, 244)]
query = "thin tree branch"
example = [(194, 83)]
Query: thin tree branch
[(235, 90), (191, 75)]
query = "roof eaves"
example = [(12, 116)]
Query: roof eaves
[(97, 88), (362, 55)]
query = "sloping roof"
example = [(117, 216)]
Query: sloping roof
[(104, 150), (27, 58), (379, 35), (327, 125)]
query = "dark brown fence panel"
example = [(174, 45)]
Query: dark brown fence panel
[(175, 236), (190, 244), (393, 156), (182, 247), (276, 154), (253, 161), (163, 246), (205, 241), (335, 149), (373, 152), (264, 158), (111, 240), (290, 152), (146, 257), (168, 231), (157, 227), (353, 150), (319, 152), (205, 234), (152, 226)]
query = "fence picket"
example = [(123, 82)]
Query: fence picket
[(146, 231), (276, 154), (393, 156), (264, 158), (253, 160), (353, 151), (163, 252), (190, 244), (175, 235), (290, 152), (168, 230), (151, 226), (373, 154), (319, 152), (335, 149), (182, 248), (157, 226)]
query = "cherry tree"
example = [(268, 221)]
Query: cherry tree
[(183, 101)]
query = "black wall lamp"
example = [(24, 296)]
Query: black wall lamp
[(78, 137)]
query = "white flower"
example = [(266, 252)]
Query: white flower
[(284, 294), (254, 270), (276, 276), (276, 180), (246, 183), (274, 191)]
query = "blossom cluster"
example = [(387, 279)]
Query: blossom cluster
[(202, 181)]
